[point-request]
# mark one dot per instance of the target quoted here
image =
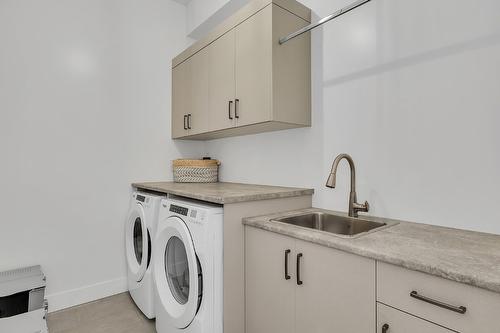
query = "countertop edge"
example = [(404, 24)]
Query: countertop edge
[(293, 192), (411, 265)]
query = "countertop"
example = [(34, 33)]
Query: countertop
[(224, 193), (464, 256)]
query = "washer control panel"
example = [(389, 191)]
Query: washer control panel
[(179, 210), (194, 215), (142, 199)]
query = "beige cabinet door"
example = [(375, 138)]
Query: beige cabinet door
[(180, 99), (197, 121), (270, 297), (336, 292), (391, 320), (254, 68), (221, 82)]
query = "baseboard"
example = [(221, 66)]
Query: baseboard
[(69, 298)]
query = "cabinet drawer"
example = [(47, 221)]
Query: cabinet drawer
[(390, 320), (438, 300)]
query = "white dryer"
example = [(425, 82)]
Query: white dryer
[(188, 267), (140, 229)]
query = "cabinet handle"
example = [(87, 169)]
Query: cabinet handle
[(236, 103), (229, 110), (189, 121), (385, 328), (458, 309), (299, 281), (287, 276), (185, 118)]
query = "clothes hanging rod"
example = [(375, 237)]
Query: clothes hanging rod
[(311, 26)]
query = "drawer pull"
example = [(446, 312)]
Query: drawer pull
[(229, 110), (458, 309), (385, 328), (299, 281), (287, 276), (236, 104)]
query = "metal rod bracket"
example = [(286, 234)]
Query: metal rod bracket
[(311, 26)]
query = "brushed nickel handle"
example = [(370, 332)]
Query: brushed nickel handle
[(458, 309), (189, 121), (185, 118), (385, 328), (287, 276), (299, 281), (236, 103), (229, 110)]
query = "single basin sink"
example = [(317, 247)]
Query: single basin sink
[(335, 224)]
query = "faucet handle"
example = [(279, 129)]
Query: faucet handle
[(357, 207)]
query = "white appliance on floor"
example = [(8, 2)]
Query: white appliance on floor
[(140, 229), (23, 308), (188, 267)]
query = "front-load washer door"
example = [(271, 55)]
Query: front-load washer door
[(137, 242), (177, 272)]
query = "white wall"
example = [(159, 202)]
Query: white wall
[(199, 11), (203, 15), (411, 90), (84, 102)]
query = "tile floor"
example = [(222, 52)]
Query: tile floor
[(115, 314)]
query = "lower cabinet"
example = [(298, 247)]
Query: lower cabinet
[(459, 307), (269, 295), (390, 320), (297, 286)]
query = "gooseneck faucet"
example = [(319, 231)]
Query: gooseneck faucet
[(354, 207)]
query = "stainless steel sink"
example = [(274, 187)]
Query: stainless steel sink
[(335, 224)]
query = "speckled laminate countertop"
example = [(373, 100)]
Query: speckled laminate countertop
[(464, 256), (224, 193)]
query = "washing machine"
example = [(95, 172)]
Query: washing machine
[(188, 266), (140, 229)]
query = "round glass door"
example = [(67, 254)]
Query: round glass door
[(137, 243), (177, 272), (137, 235), (177, 269)]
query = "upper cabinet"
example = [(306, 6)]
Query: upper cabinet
[(190, 96), (239, 80), (220, 107), (253, 69)]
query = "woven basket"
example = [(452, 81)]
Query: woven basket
[(196, 171)]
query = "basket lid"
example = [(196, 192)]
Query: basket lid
[(195, 163)]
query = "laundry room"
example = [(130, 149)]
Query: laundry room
[(249, 166)]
